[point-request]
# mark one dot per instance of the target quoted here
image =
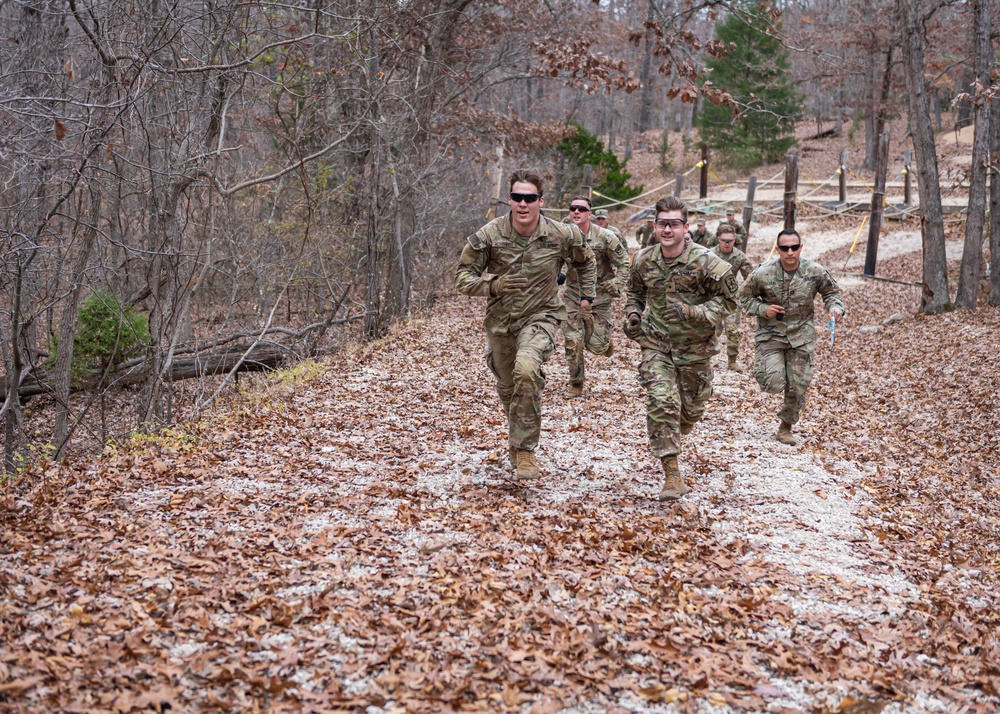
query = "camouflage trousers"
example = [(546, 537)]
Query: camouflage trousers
[(676, 397), (732, 327), (516, 361), (779, 367), (573, 333)]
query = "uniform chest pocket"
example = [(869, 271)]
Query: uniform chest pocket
[(683, 282)]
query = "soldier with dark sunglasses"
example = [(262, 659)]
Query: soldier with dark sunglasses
[(780, 294)]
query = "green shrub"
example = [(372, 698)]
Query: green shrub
[(608, 174), (106, 334)]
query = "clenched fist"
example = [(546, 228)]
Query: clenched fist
[(633, 326), (507, 284)]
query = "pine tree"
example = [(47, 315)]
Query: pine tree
[(756, 74)]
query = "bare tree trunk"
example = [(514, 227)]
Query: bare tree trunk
[(935, 296), (972, 252), (994, 298), (645, 76), (68, 323)]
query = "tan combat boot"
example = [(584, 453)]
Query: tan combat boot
[(512, 456), (575, 391), (686, 429), (527, 465), (611, 349), (734, 365), (674, 486), (785, 435)]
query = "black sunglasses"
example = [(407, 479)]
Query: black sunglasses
[(581, 209), (526, 197), (786, 248), (664, 223)]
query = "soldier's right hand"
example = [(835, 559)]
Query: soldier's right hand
[(633, 326), (507, 284)]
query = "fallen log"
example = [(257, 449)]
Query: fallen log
[(261, 358)]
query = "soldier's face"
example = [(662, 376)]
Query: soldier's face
[(671, 230), (524, 214), (602, 222), (789, 258), (579, 214), (726, 242)]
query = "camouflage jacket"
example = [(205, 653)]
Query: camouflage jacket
[(737, 259), (497, 249), (697, 277), (796, 292), (704, 238), (645, 236), (737, 226), (612, 264)]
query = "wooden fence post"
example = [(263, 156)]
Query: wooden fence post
[(678, 184), (703, 186), (878, 199), (791, 187), (748, 211), (907, 180), (586, 182), (842, 171)]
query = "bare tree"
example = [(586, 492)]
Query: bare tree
[(935, 297), (972, 255)]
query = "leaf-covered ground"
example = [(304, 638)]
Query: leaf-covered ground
[(346, 536)]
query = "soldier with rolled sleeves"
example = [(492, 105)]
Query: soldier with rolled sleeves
[(740, 264), (678, 293), (781, 293), (514, 261), (612, 265), (601, 218), (701, 236)]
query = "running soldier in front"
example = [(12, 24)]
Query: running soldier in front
[(737, 259), (612, 266), (514, 261), (688, 291), (781, 294)]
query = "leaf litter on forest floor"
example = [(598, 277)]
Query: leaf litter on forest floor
[(355, 542)]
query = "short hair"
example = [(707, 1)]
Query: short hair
[(671, 203), (526, 176), (580, 198), (725, 228), (787, 232)]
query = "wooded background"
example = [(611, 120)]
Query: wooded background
[(257, 178)]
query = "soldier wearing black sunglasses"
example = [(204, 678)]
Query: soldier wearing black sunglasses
[(780, 293), (514, 261)]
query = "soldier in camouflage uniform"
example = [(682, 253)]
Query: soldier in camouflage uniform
[(601, 217), (740, 264), (646, 235), (688, 291), (514, 261), (741, 233), (612, 266), (781, 294), (701, 236)]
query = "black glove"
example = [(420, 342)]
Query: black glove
[(507, 284), (633, 326), (560, 279)]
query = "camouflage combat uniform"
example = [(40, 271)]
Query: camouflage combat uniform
[(675, 368), (612, 266), (739, 262), (521, 327), (784, 348), (645, 236), (741, 232), (702, 237)]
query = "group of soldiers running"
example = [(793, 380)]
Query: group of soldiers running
[(680, 295)]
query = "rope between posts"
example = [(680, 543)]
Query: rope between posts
[(629, 202), (857, 237)]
